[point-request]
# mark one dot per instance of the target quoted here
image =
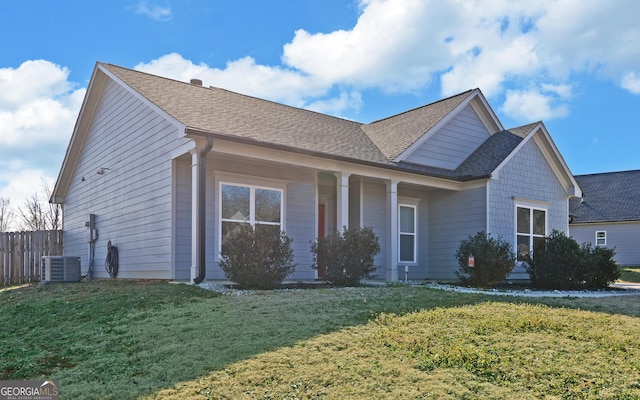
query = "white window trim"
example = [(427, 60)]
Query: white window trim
[(605, 238), (252, 206), (414, 233), (413, 204), (531, 205)]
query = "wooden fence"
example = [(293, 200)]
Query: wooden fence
[(21, 252)]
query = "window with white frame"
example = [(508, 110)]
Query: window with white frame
[(531, 229), (601, 238), (407, 233), (260, 207)]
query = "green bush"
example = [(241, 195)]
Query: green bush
[(257, 258), (345, 258), (494, 259), (564, 264), (601, 269)]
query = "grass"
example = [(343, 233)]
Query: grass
[(630, 274), (125, 340)]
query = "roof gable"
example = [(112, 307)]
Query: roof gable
[(233, 115), (389, 142), (450, 145), (607, 197), (539, 134), (400, 135)]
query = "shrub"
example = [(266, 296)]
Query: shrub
[(557, 265), (257, 258), (494, 259), (564, 264), (345, 258), (601, 269)]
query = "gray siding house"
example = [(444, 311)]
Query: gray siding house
[(168, 168), (608, 214)]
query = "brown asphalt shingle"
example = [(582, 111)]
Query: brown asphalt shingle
[(235, 115), (222, 112)]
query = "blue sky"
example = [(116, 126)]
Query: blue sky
[(573, 64)]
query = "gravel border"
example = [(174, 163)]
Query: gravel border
[(617, 289)]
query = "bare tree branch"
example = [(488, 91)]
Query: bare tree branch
[(6, 215), (36, 215)]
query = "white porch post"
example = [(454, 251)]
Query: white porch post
[(392, 230), (198, 207), (342, 201)]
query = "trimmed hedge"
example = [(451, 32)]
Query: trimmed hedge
[(257, 258), (494, 259), (565, 264), (345, 258)]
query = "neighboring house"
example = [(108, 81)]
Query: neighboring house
[(168, 168), (608, 214)]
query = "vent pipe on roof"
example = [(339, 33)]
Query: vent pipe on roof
[(196, 82)]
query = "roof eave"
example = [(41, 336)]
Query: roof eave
[(195, 132), (89, 104)]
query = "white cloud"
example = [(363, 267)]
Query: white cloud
[(533, 105), (631, 82), (154, 11), (336, 105), (408, 45), (243, 76), (32, 80), (38, 109)]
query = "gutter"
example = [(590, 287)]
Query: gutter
[(202, 208), (390, 166)]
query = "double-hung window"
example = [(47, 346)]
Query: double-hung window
[(407, 232), (601, 238), (260, 207), (531, 224)]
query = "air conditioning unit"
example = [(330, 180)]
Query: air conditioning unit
[(60, 269)]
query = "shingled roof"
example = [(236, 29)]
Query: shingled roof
[(223, 112), (395, 134), (233, 115), (607, 197)]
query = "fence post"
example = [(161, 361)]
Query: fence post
[(21, 252), (3, 252)]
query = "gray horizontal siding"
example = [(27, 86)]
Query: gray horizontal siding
[(624, 237), (454, 142), (132, 199), (301, 225), (182, 218), (374, 216), (453, 216)]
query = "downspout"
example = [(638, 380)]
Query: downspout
[(202, 208)]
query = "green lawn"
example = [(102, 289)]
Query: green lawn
[(125, 340), (630, 274)]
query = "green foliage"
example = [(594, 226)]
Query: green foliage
[(600, 268), (346, 258), (564, 264), (257, 258), (494, 260), (102, 341)]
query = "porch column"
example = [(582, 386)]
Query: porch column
[(342, 201), (198, 207), (392, 230)]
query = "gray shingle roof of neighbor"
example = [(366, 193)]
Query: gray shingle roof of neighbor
[(233, 115), (607, 197)]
